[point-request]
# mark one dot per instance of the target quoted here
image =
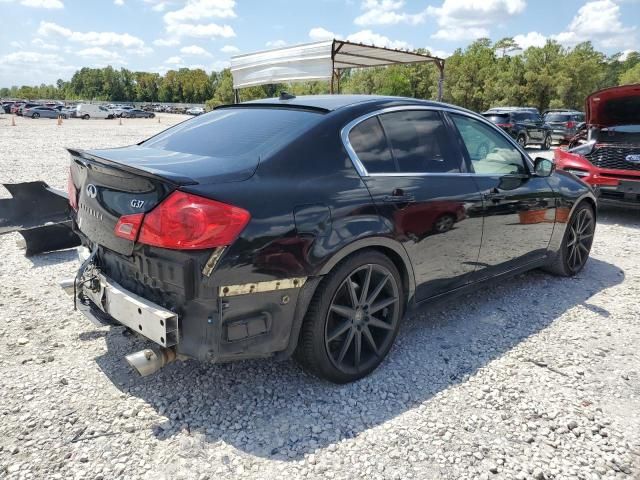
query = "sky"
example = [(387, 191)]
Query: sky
[(43, 40)]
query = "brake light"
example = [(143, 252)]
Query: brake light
[(505, 125), (128, 226), (72, 192), (571, 124), (188, 222)]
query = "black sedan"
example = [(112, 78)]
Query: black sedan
[(311, 226), (137, 113)]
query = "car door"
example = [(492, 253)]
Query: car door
[(519, 208), (414, 171)]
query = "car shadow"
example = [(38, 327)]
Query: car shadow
[(275, 410), (611, 215), (53, 258)]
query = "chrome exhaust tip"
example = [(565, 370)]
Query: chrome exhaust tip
[(67, 285), (148, 361)]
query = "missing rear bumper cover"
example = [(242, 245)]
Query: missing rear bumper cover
[(259, 287)]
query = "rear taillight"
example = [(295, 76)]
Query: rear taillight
[(128, 226), (188, 222), (73, 192), (571, 124)]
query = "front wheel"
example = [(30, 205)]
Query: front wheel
[(546, 144), (85, 116), (576, 244), (35, 115), (152, 115), (353, 319)]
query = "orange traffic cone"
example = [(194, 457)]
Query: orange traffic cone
[(158, 119), (59, 120)]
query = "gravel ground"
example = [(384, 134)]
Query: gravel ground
[(534, 378)]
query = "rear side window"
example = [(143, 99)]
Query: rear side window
[(247, 132), (370, 144), (419, 142), (557, 117)]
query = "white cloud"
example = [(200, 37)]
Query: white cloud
[(276, 43), (97, 39), (229, 49), (599, 21), (166, 42), (370, 38), (175, 60), (119, 3), (531, 39), (187, 21), (24, 66), (38, 42), (208, 30), (319, 33), (625, 54), (194, 50), (50, 4), (437, 53), (387, 12), (471, 19), (101, 53)]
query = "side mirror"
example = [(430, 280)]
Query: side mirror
[(543, 167)]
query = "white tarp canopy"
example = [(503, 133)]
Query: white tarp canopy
[(316, 61)]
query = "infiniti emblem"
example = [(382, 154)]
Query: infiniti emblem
[(92, 191), (632, 158)]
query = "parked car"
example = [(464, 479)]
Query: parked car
[(564, 123), (606, 152), (15, 106), (272, 227), (195, 111), (6, 106), (524, 125), (513, 109), (86, 111), (43, 112), (137, 113), (119, 111), (25, 106)]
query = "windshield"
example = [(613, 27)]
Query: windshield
[(235, 132), (557, 117), (497, 117)]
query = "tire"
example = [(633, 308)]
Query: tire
[(546, 144), (345, 335), (85, 116), (444, 223), (35, 115), (109, 117), (522, 140), (152, 116), (574, 252)]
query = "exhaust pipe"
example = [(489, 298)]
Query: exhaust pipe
[(67, 285), (149, 361)]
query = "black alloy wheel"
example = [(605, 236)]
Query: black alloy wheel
[(353, 319), (546, 145), (522, 141), (580, 239)]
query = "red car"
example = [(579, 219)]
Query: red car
[(606, 152)]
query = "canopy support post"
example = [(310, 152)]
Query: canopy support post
[(440, 65), (236, 96)]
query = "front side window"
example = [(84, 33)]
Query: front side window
[(419, 142), (490, 152)]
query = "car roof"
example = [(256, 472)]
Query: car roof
[(333, 102)]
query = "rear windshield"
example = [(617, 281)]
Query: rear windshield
[(557, 117), (235, 132), (497, 117)]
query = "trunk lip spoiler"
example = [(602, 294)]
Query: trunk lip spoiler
[(177, 181)]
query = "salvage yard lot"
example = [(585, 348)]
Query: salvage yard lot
[(538, 377)]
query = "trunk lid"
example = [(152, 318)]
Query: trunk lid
[(124, 181), (614, 106)]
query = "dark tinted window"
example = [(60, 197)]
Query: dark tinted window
[(419, 142), (557, 117), (235, 132), (370, 144)]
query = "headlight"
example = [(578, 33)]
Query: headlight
[(584, 149), (577, 172)]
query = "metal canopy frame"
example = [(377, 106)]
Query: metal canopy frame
[(320, 61)]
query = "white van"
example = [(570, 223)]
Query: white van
[(86, 111)]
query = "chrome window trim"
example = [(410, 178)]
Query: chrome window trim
[(362, 171)]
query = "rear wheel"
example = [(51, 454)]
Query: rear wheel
[(522, 140), (546, 144), (151, 115), (35, 115), (85, 116), (576, 244), (353, 319)]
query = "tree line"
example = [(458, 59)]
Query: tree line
[(481, 76)]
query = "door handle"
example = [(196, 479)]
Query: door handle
[(398, 198), (494, 196)]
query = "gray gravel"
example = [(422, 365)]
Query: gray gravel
[(535, 378)]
